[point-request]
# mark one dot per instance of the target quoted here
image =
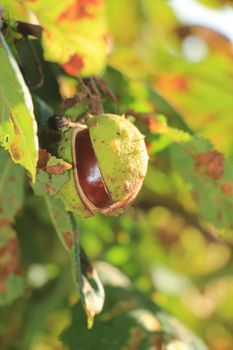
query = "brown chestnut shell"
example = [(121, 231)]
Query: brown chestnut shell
[(87, 171)]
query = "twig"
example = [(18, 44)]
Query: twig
[(94, 100), (26, 29)]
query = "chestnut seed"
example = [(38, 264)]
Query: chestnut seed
[(88, 171), (109, 160)]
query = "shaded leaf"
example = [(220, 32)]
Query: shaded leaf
[(11, 188), (129, 321), (61, 222), (51, 175), (17, 122), (11, 200), (86, 278)]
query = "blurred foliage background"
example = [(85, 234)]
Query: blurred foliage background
[(171, 244)]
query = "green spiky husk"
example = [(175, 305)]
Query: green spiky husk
[(121, 153), (122, 159)]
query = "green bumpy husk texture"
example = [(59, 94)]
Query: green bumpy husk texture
[(121, 153), (122, 158)]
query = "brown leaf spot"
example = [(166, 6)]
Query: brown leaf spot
[(58, 168), (74, 65), (43, 158), (227, 188), (49, 189), (68, 237), (4, 222), (210, 163), (11, 178), (16, 153)]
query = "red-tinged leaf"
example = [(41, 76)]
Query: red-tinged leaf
[(74, 65), (58, 169), (74, 34), (79, 9), (171, 82), (11, 283), (9, 255), (227, 188)]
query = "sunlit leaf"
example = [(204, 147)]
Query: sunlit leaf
[(204, 98), (17, 123), (74, 32)]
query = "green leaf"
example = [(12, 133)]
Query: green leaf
[(165, 134), (85, 276), (11, 188), (129, 321), (11, 200), (164, 107), (17, 122), (11, 282), (210, 176), (52, 176)]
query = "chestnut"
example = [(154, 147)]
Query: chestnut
[(109, 159)]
